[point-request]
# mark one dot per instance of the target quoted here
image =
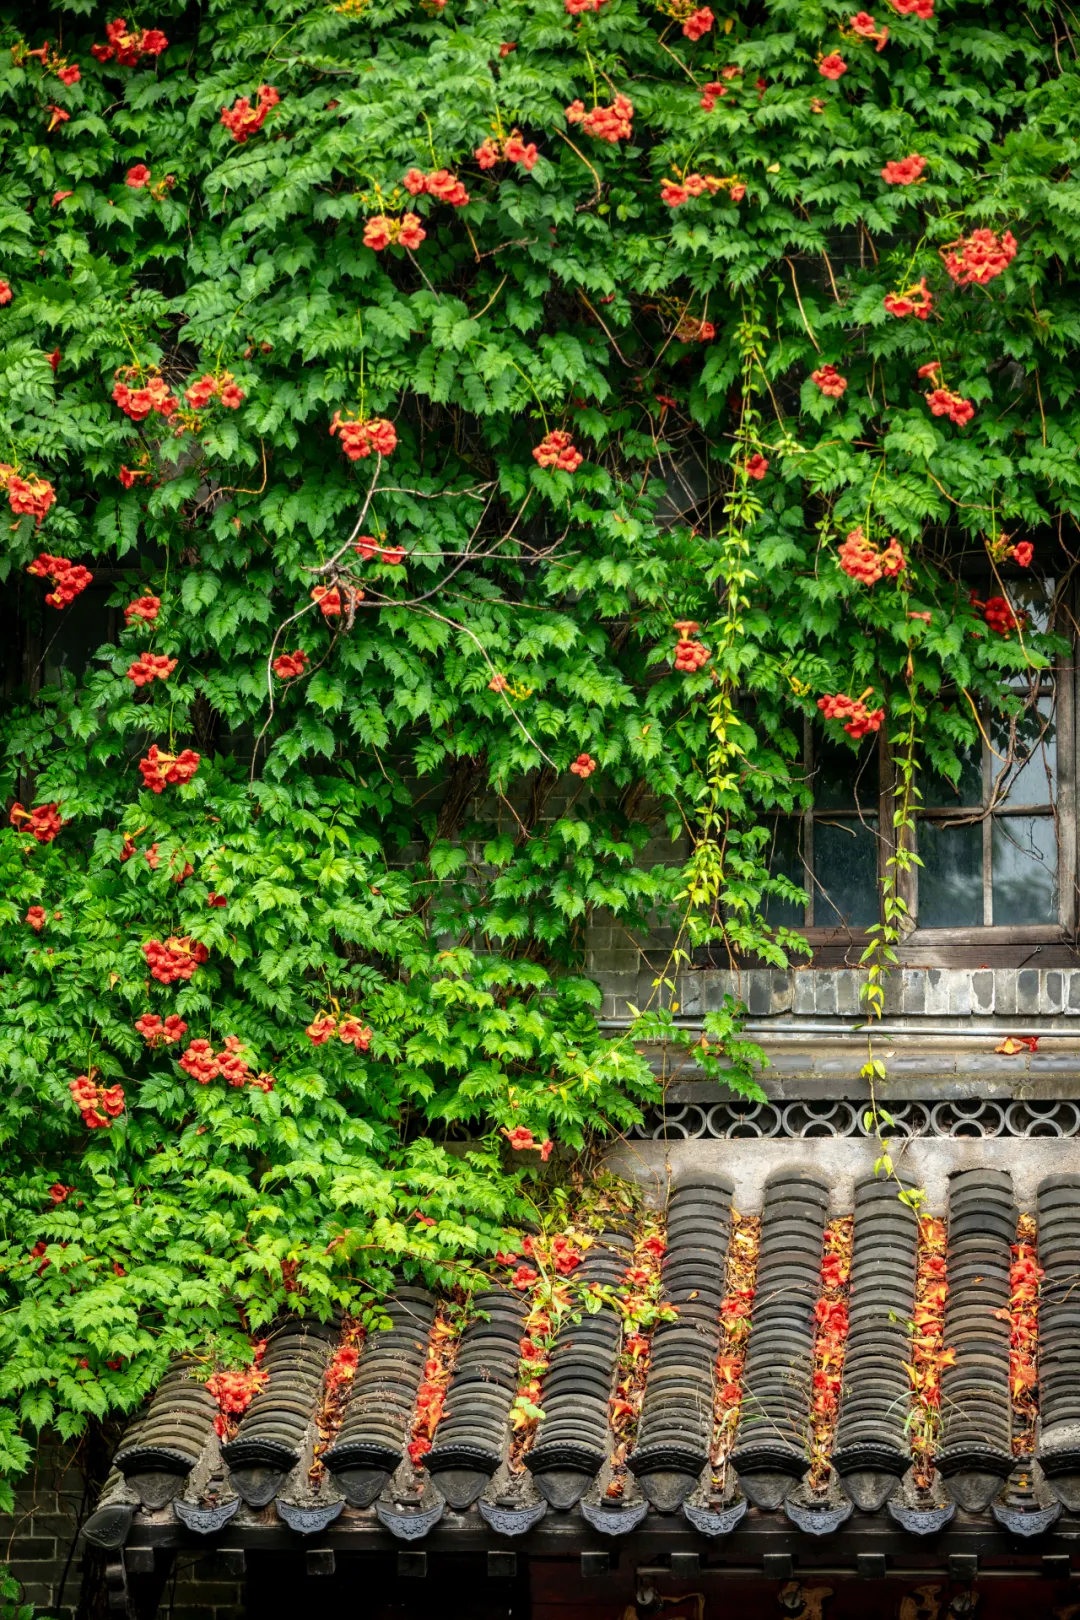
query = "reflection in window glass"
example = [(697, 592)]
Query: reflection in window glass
[(1025, 870), (1030, 784), (1034, 593), (845, 865), (784, 861), (950, 878)]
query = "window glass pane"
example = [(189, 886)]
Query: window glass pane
[(73, 638), (950, 878), (784, 860), (939, 793), (845, 865), (1030, 784), (840, 773), (1025, 870)]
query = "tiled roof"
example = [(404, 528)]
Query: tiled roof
[(171, 1469)]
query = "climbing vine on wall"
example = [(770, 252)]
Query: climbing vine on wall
[(448, 448)]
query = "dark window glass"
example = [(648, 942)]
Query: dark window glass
[(785, 860), (845, 866)]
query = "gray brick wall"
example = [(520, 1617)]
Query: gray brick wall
[(40, 1542), (953, 997)]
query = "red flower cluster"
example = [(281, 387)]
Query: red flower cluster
[(289, 665), (690, 655), (904, 171), (203, 391), (583, 766), (431, 1396), (42, 822), (350, 1030), (381, 230), (342, 1368), (831, 1316), (756, 467), (367, 546), (68, 578), (611, 124), (943, 402), (27, 497), (740, 1275), (59, 1193), (1022, 553), (1000, 616), (137, 177), (6, 294), (440, 184), (928, 1355), (565, 1255), (128, 475), (331, 599), (149, 667), (864, 25), (127, 45), (156, 1031), (923, 9), (204, 1064), (917, 300), (860, 559), (1025, 1275), (832, 66), (36, 918), (520, 1138), (359, 439), (150, 396), (711, 93), (514, 149), (976, 259), (160, 770), (98, 1105), (676, 192), (829, 380), (174, 958), (556, 449), (234, 1393), (576, 7), (859, 718), (698, 23), (242, 119), (145, 608)]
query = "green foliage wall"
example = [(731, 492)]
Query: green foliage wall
[(656, 290)]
